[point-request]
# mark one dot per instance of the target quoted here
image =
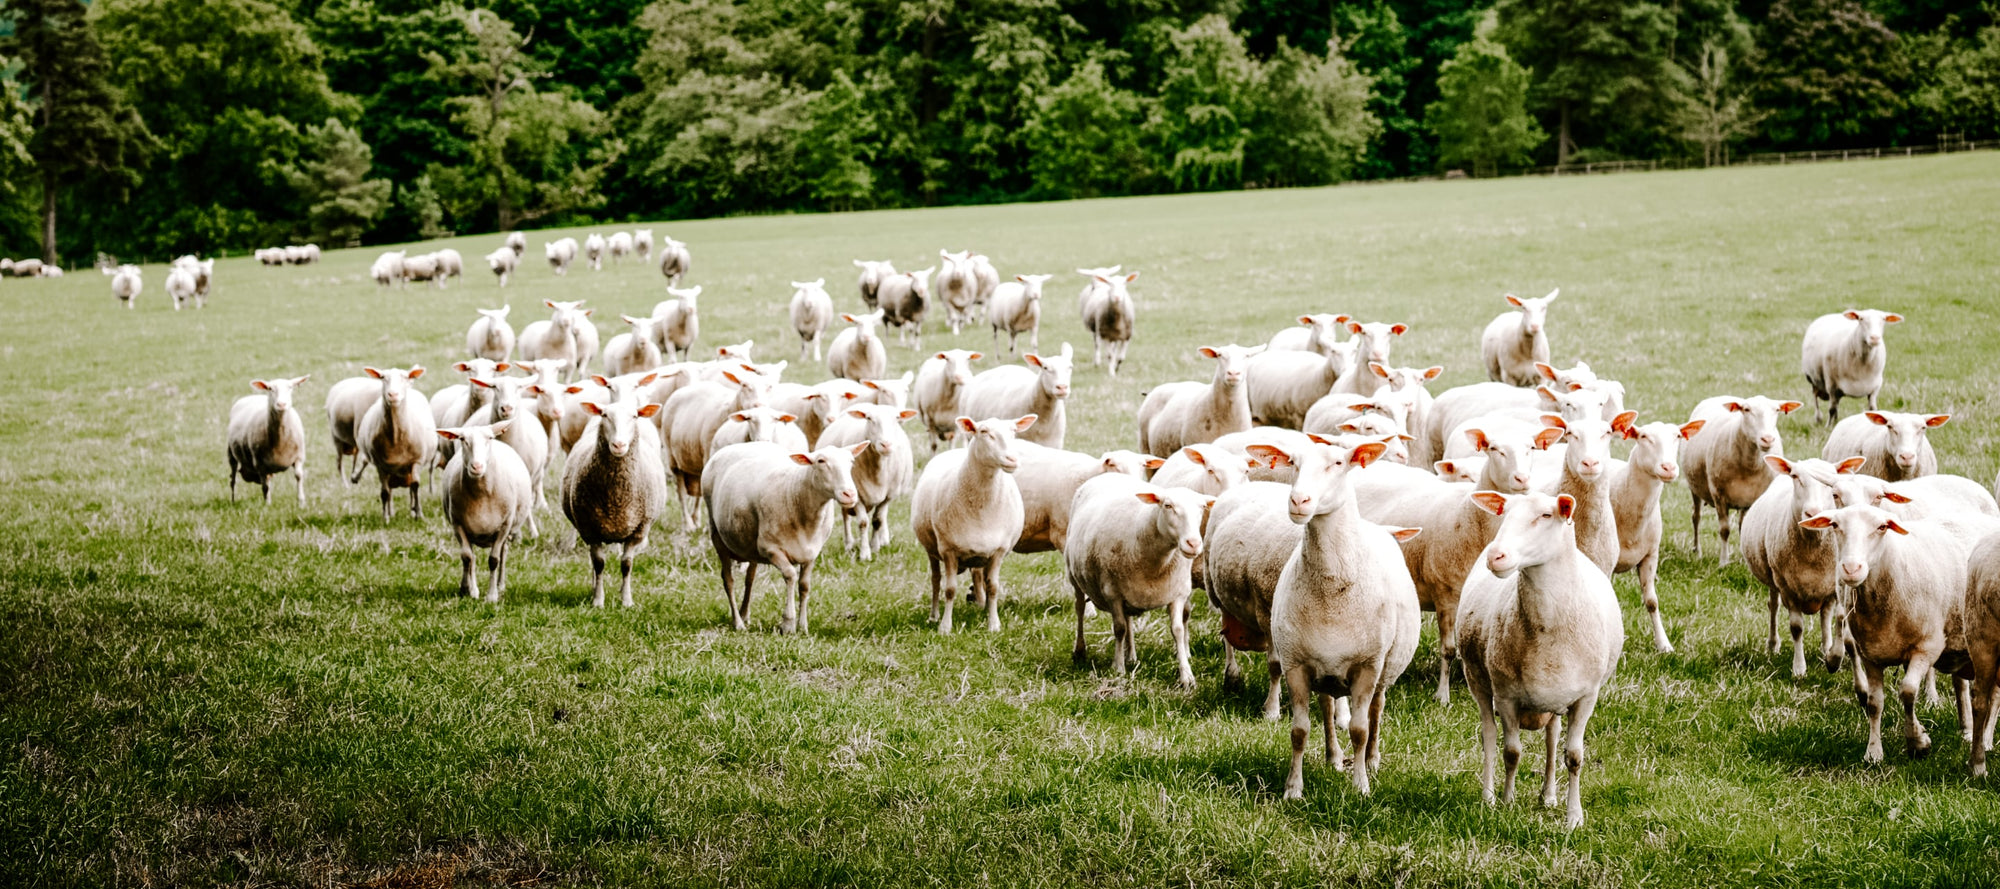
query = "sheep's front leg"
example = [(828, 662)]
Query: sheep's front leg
[(496, 561), (596, 574), (1983, 688), (1334, 756), (1178, 614), (1649, 570), (416, 499), (1121, 630), (991, 587), (1798, 626), (1722, 533), (1079, 655), (1232, 672), (385, 503), (1694, 523), (468, 585), (1916, 741), (1551, 733), (625, 555), (1573, 756), (1447, 648), (788, 620), (935, 584), (1510, 732), (1301, 688), (1871, 707), (1360, 732), (950, 573), (299, 475), (728, 566), (1277, 671)]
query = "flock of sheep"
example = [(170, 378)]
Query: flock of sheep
[(188, 281), (1318, 494)]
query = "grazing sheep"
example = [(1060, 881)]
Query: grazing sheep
[(1725, 466), (1918, 497), (593, 251), (1249, 537), (1905, 584), (554, 339), (516, 242), (1130, 550), (202, 270), (604, 390), (488, 495), (758, 424), (1372, 343), (816, 407), (1016, 307), (1797, 565), (1843, 355), (690, 420), (451, 405), (903, 299), (1109, 315), (1982, 644), (872, 274), (346, 402), (127, 284), (675, 261), (388, 268), (1048, 478), (399, 436), (503, 262), (884, 469), (1540, 631), (1282, 386), (957, 285), (936, 390), (1455, 526), (1894, 443), (271, 255), (423, 268), (1344, 614), (560, 254), (180, 286), (1315, 333), (633, 351), (857, 353), (1635, 485), (772, 505), (679, 323), (619, 245), (1183, 413), (966, 514), (988, 279), (614, 488), (26, 268), (308, 254), (1514, 342), (812, 311), (266, 437), (1586, 480), (449, 264), (1204, 468), (522, 399), (889, 392), (491, 337), (1041, 388), (642, 244)]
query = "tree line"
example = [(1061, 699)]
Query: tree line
[(152, 128)]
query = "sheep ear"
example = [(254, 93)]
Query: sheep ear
[(859, 447), (1623, 423), (1790, 406), (1546, 393), (1547, 437), (300, 381), (1554, 421), (1444, 467), (500, 428), (1936, 420), (975, 356), (1891, 525), (462, 366), (532, 389), (1778, 464), (1405, 535), (938, 357), (1565, 506), (1147, 497), (502, 367), (1349, 427), (448, 433), (372, 372), (594, 408), (1432, 372), (787, 418), (1479, 441), (729, 375), (850, 396), (803, 459), (1548, 372), (905, 415), (1850, 465), (1130, 277), (740, 417), (1491, 501), (1194, 455), (1365, 454), (1735, 407), (648, 409), (871, 384), (481, 383), (1891, 318), (1512, 300), (1379, 369), (858, 414), (1398, 329), (648, 379), (1306, 320), (1894, 497), (849, 318), (572, 390), (1154, 462), (966, 424), (1691, 427), (1876, 417), (1628, 433), (1320, 439), (1032, 358), (1353, 327), (1851, 315), (416, 370), (1817, 523), (1022, 424), (601, 380), (1272, 455), (1361, 407)]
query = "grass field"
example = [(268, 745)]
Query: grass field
[(199, 692)]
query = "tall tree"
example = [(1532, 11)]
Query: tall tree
[(332, 179), (1313, 122), (495, 67), (1481, 115), (1961, 92), (1597, 62), (1710, 110), (1831, 74), (85, 131)]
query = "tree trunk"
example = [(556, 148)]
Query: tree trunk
[(1563, 145), (506, 208), (49, 219)]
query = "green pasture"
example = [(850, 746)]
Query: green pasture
[(195, 692)]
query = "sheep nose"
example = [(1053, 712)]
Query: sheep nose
[(1767, 441), (1906, 459), (1534, 328), (1521, 481), (1853, 571), (1191, 547), (618, 449), (846, 498), (1669, 471), (477, 468), (1591, 466), (1874, 341), (1062, 391)]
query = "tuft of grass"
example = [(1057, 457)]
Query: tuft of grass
[(199, 692)]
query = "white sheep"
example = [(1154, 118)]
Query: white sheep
[(126, 284), (399, 435), (1205, 468), (1109, 315), (593, 251), (1048, 478), (450, 264), (812, 311), (1725, 466), (1283, 385), (1249, 538), (1585, 478), (1982, 643), (870, 279), (1041, 388), (1916, 498), (689, 421), (619, 245), (1894, 443), (451, 405), (988, 279), (642, 244), (266, 437), (503, 261), (1794, 564), (675, 261), (1843, 355), (388, 268), (180, 286), (884, 469), (857, 352), (1372, 343), (605, 390), (1635, 484), (423, 267), (560, 253), (772, 505), (271, 255), (203, 271), (516, 242), (1016, 308), (614, 488), (346, 402), (903, 298), (554, 339), (518, 400), (488, 495), (966, 514), (680, 322), (1344, 613), (491, 337), (1455, 526), (816, 407), (635, 350), (891, 392), (759, 423), (957, 286), (935, 392), (1318, 332), (1187, 412), (1514, 342), (1130, 549), (1540, 631)]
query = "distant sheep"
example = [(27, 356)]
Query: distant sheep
[(266, 437), (1843, 355), (1514, 342)]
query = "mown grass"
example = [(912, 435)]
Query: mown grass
[(199, 692)]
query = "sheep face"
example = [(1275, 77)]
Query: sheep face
[(395, 382), (1055, 371), (1534, 529), (1860, 535)]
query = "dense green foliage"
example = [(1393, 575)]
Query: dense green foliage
[(197, 693), (182, 121)]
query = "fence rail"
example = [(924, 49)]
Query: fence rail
[(1769, 158)]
